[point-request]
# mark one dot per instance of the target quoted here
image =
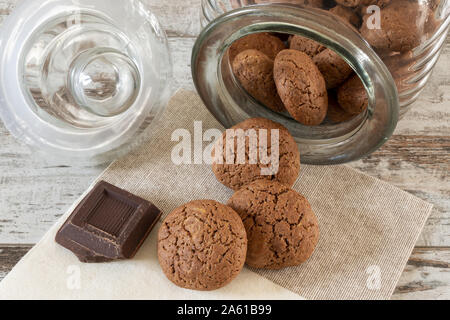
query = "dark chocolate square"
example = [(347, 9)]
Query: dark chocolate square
[(109, 224)]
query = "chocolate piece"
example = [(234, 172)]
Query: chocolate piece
[(109, 224)]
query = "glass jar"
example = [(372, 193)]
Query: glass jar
[(82, 80), (393, 65)]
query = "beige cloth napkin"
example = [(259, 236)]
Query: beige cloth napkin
[(368, 231)]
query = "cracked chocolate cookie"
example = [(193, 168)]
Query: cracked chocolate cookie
[(364, 4), (254, 70), (282, 229), (240, 164), (301, 87), (202, 245), (333, 68), (305, 45), (335, 113), (264, 42), (400, 30), (352, 96)]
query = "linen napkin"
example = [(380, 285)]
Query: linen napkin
[(368, 231)]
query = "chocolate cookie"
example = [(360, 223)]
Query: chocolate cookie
[(365, 4), (264, 42), (202, 245), (305, 45), (379, 3), (347, 14), (335, 113), (401, 29), (401, 67), (348, 3), (301, 87), (352, 96), (246, 165), (306, 3), (333, 68), (254, 70), (281, 227)]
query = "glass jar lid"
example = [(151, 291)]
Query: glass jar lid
[(82, 79), (324, 144)]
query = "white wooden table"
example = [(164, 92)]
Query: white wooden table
[(33, 195)]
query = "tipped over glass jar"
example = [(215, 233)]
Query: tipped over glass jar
[(375, 57)]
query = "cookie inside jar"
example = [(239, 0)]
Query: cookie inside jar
[(400, 42), (298, 78), (273, 61), (293, 75)]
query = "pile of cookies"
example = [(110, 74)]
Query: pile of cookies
[(313, 83), (203, 245)]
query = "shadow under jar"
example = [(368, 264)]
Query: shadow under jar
[(393, 66)]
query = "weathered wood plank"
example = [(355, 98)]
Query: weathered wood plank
[(427, 275), (179, 19), (9, 256), (181, 50), (6, 6)]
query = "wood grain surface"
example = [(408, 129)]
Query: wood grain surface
[(35, 192)]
